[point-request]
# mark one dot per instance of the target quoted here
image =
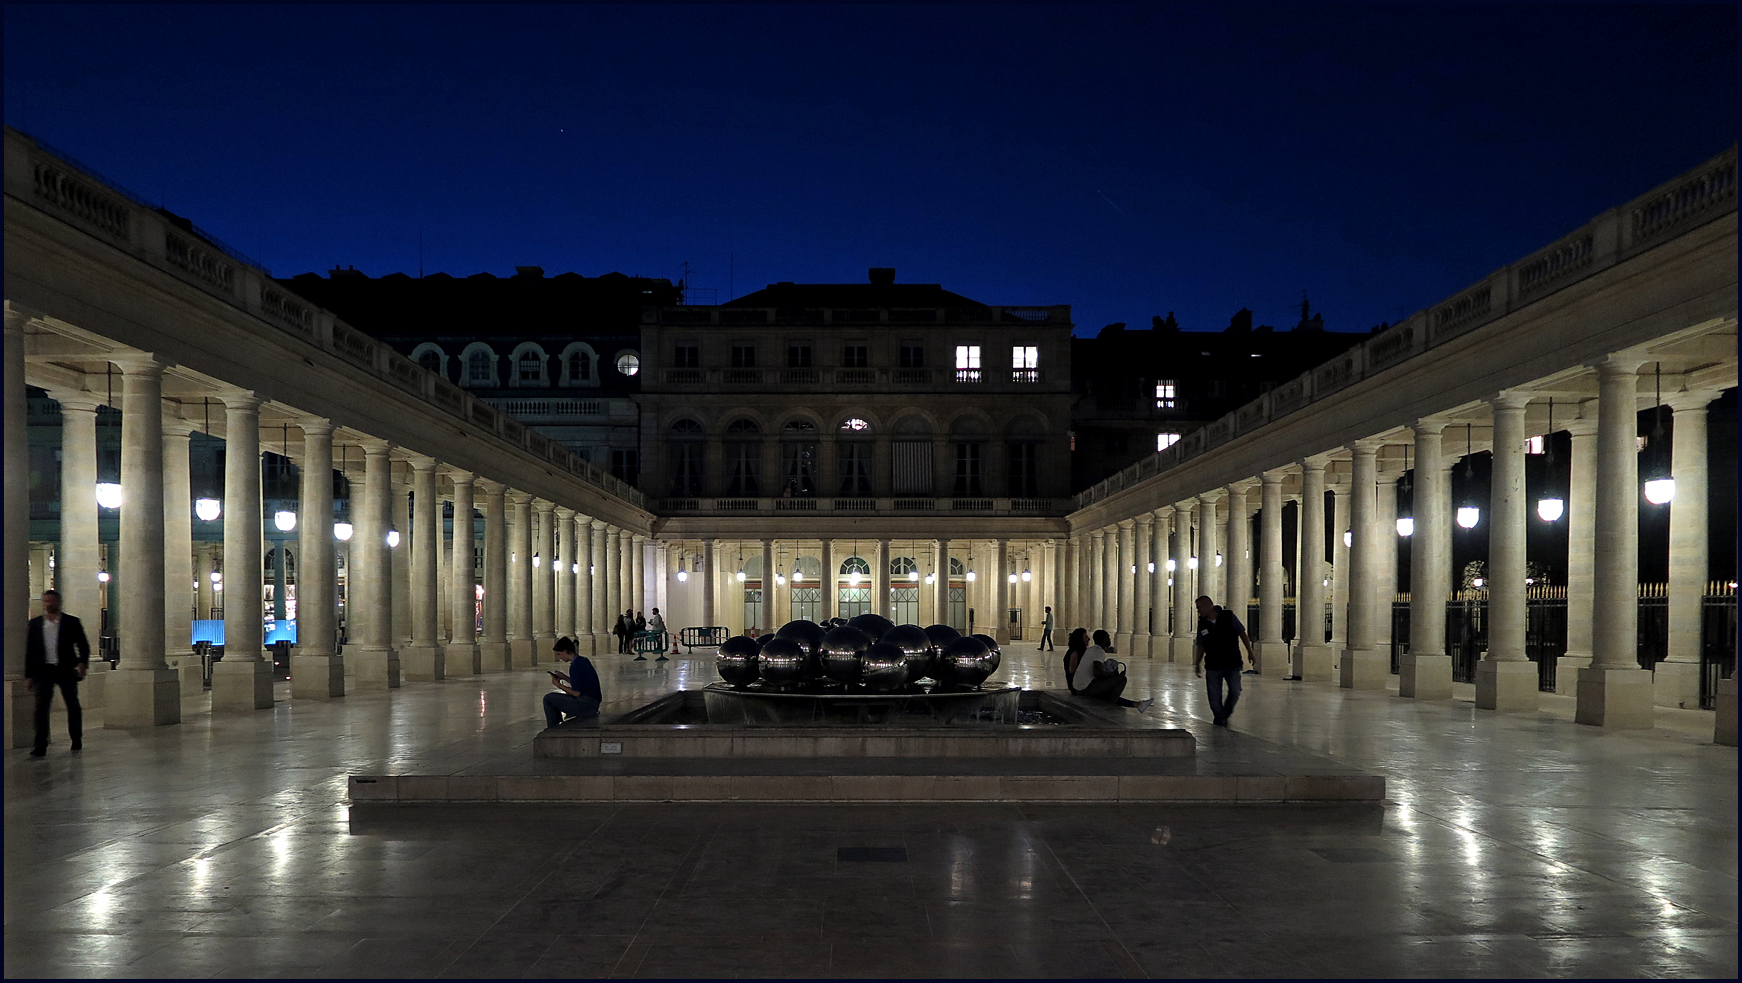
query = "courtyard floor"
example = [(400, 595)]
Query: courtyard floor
[(1509, 845)]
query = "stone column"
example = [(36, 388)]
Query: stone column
[(1614, 691), (599, 580), (400, 557), (317, 671), (1142, 642), (1340, 564), (460, 655), (1272, 653), (178, 548), (626, 570), (830, 579), (20, 704), (662, 586), (638, 573), (521, 651), (1386, 519), (543, 580), (39, 581), (880, 578), (1425, 673), (1160, 597), (1048, 579), (1363, 666), (771, 618), (613, 571), (1581, 519), (941, 589), (1676, 683), (242, 680), (564, 559), (1239, 579), (998, 626), (370, 593), (493, 648), (585, 637), (1312, 653), (1209, 544), (76, 561), (1506, 678), (1124, 586), (1097, 581), (1184, 615), (444, 586), (423, 661), (709, 553)]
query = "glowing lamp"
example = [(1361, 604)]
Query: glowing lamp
[(1550, 509), (1218, 559), (574, 568), (1192, 563), (970, 576), (535, 559), (208, 509), (1026, 576), (1348, 539), (478, 591), (108, 494), (683, 575), (1406, 526), (392, 539), (1659, 491), (1151, 566), (284, 519), (1468, 516), (913, 576), (102, 576), (1477, 582), (1170, 565), (852, 578), (1013, 578), (740, 576), (217, 578), (342, 531), (797, 576)]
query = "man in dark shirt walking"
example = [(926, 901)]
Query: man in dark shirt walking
[(1217, 649), (56, 653)]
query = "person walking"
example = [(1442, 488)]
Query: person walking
[(1216, 649), (56, 653), (1046, 632)]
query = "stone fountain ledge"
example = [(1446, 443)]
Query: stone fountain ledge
[(1100, 755)]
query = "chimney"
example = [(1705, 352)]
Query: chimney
[(882, 276), (529, 271)]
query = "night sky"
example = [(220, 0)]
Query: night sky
[(1127, 160)]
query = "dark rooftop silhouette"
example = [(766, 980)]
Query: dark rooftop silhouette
[(880, 291)]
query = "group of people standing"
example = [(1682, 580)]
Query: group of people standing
[(1091, 672), (631, 623)]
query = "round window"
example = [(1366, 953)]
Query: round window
[(628, 363)]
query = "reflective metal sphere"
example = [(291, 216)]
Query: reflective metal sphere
[(964, 662), (941, 635), (842, 649), (883, 667), (916, 649), (992, 645), (783, 662), (737, 660), (872, 624)]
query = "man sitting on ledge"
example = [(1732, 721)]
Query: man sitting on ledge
[(1100, 677), (580, 696)]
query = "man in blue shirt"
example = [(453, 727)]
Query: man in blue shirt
[(579, 697)]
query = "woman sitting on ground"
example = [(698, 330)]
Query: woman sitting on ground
[(1075, 646)]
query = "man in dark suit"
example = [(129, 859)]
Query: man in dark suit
[(56, 653)]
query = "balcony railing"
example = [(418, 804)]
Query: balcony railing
[(968, 375), (1024, 375), (858, 505)]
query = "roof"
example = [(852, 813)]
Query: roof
[(853, 295)]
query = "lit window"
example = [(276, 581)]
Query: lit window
[(1025, 357), (1533, 445), (1640, 442), (967, 363), (1165, 440), (855, 424), (1165, 396), (628, 363)]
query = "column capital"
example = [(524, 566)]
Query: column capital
[(1242, 485), (583, 519), (372, 446), (1145, 521), (241, 401), (177, 428), (1509, 399), (140, 363), (1127, 523), (1186, 505), (1165, 512), (458, 475), (564, 513), (420, 462), (1366, 445), (1316, 462), (1617, 365), (315, 426), (1097, 533), (636, 536), (1430, 425), (492, 487), (1274, 476), (519, 497), (600, 525), (1212, 496), (78, 402), (542, 506), (1388, 477), (1686, 400)]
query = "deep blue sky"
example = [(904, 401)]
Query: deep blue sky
[(1128, 160)]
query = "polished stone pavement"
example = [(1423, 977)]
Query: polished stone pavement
[(1509, 845)]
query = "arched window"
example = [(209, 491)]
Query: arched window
[(957, 571), (580, 366), (687, 454), (853, 596), (628, 363), (904, 590), (854, 425), (743, 458), (479, 371), (901, 566), (798, 459), (431, 361), (530, 368), (854, 565)]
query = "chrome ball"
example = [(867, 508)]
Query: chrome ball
[(783, 662), (964, 662), (992, 644), (874, 625), (842, 651), (940, 636), (883, 667), (916, 648), (737, 660), (809, 636)]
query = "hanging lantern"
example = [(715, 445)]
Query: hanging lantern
[(392, 539), (284, 519), (1551, 509), (1659, 481), (342, 531), (1468, 516), (1405, 526), (108, 494), (208, 509)]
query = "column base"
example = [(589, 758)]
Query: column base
[(542, 648), (1724, 732), (1315, 663), (193, 677), (492, 657), (1179, 649), (1425, 677), (317, 677), (421, 663), (1274, 659), (1142, 645), (1617, 698), (1675, 684), (376, 668), (95, 686), (1566, 672), (141, 698), (1122, 644), (240, 686), (1363, 669), (460, 659), (1509, 687), (21, 713), (522, 653)]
